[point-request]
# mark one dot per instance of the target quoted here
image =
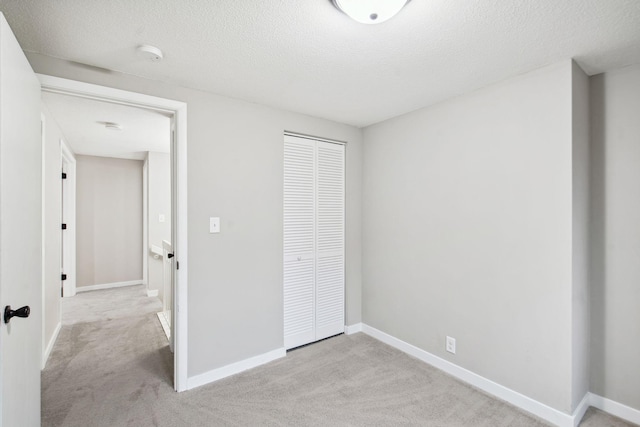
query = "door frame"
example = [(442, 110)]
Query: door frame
[(145, 226), (46, 349), (179, 111), (313, 335), (68, 163)]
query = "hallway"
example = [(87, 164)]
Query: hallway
[(111, 348)]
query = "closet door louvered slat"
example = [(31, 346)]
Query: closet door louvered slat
[(314, 204), (299, 242), (330, 240)]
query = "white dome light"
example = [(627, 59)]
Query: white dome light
[(370, 11)]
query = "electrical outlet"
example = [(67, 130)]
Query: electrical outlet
[(451, 345)]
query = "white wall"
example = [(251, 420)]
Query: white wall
[(52, 225), (615, 284), (580, 234), (467, 231), (159, 203), (109, 220), (235, 171)]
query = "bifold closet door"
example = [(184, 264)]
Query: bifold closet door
[(299, 241), (313, 240), (329, 240)]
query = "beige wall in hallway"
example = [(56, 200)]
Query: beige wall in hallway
[(109, 220), (159, 203), (52, 220)]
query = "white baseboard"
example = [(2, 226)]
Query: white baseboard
[(519, 400), (353, 329), (152, 292), (234, 368), (581, 409), (50, 344), (612, 407), (108, 286), (164, 324)]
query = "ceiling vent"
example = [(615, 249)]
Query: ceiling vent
[(112, 126)]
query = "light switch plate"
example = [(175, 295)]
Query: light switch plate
[(214, 225)]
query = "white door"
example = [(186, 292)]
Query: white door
[(64, 246), (167, 290), (20, 234), (68, 219), (313, 240), (299, 241), (329, 239), (171, 295)]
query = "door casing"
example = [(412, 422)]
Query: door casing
[(178, 110)]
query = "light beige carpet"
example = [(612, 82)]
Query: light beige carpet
[(118, 372), (108, 304)]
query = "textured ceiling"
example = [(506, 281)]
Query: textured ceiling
[(82, 123), (306, 56)]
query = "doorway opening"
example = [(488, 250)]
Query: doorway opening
[(169, 249)]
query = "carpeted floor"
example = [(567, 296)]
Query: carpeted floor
[(108, 304), (117, 372)]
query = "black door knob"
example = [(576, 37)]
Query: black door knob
[(169, 256), (21, 312)]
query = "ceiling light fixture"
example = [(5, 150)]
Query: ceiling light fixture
[(370, 11), (151, 53), (112, 126)]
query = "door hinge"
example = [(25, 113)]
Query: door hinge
[(64, 226), (63, 277), (64, 175)]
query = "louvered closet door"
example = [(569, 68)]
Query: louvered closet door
[(299, 241), (329, 240), (313, 240)]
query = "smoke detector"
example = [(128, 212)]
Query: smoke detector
[(149, 52)]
